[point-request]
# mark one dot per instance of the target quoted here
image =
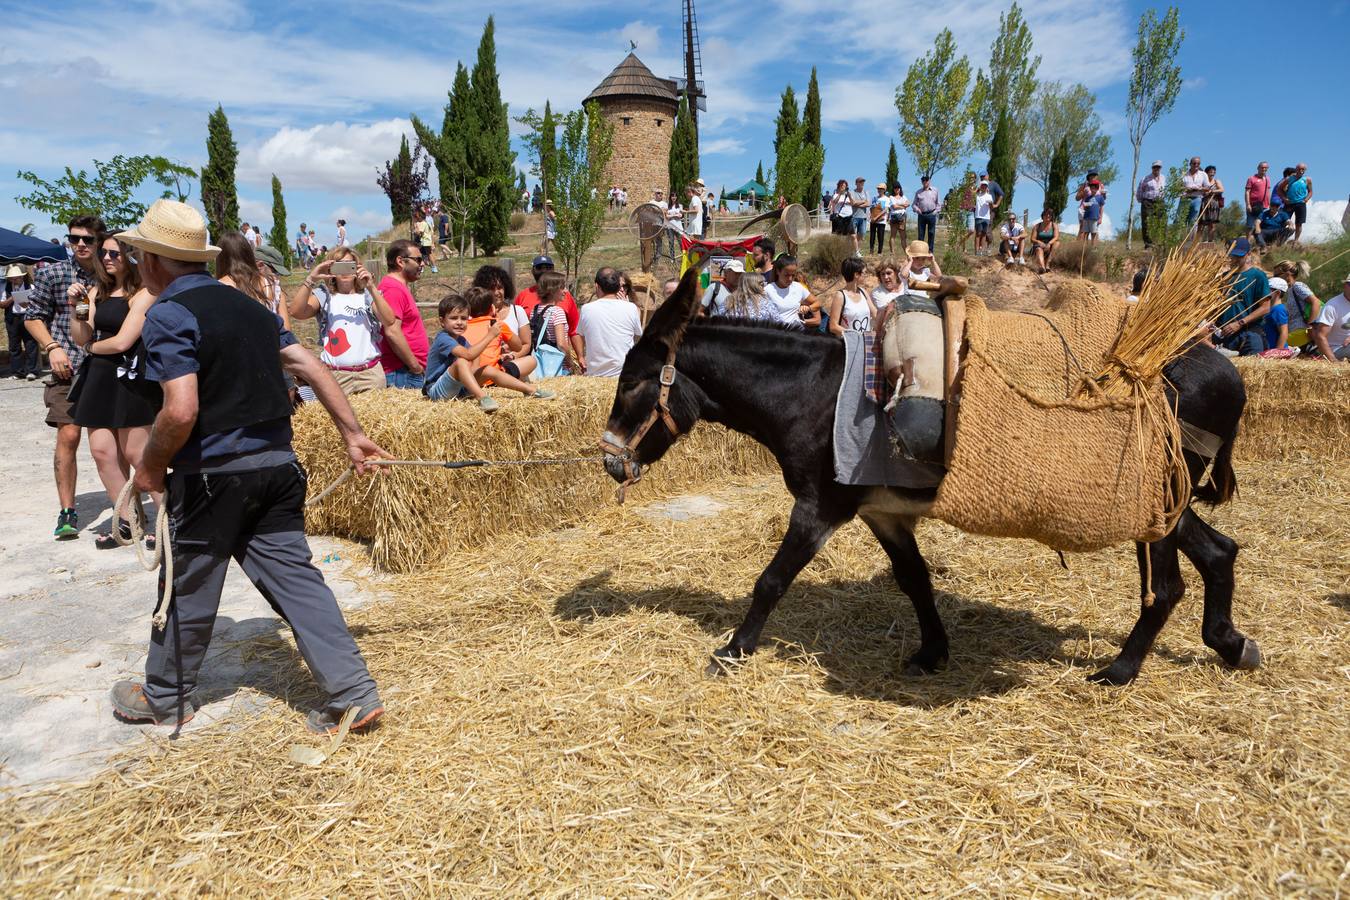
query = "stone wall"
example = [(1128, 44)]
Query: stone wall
[(642, 130)]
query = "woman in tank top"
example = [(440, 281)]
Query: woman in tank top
[(851, 309), (1044, 240), (113, 400)]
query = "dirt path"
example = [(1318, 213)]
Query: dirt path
[(74, 619)]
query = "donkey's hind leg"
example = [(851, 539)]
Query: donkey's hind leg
[(1168, 588), (896, 536), (1213, 553)]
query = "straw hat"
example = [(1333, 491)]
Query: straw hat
[(917, 249), (15, 271), (171, 229)]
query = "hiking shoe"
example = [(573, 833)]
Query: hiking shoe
[(31, 376), (131, 707), (67, 525), (488, 405), (329, 720), (543, 394)]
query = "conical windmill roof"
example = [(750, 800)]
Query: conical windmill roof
[(631, 78)]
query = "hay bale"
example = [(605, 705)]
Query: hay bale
[(1294, 406), (417, 517)]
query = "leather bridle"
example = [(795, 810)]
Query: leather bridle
[(626, 453)]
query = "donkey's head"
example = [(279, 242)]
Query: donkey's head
[(654, 403)]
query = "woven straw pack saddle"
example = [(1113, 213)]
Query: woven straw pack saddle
[(1008, 402)]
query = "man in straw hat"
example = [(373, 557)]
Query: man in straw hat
[(236, 489)]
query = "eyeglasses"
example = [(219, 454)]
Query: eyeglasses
[(110, 254), (417, 259), (81, 239)]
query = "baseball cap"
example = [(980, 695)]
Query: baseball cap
[(1157, 164), (542, 261), (925, 178), (736, 265), (1279, 284), (269, 255), (1241, 247)]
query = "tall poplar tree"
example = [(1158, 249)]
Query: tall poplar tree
[(277, 237), (1154, 86), (682, 164), (219, 195), (811, 138), (489, 155), (933, 109), (1009, 85)]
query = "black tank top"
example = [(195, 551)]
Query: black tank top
[(109, 314)]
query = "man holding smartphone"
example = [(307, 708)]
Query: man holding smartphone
[(48, 321)]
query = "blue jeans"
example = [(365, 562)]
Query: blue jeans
[(445, 387), (1247, 342), (928, 228), (1191, 207), (402, 378)]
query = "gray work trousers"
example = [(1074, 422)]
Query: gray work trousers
[(251, 516)]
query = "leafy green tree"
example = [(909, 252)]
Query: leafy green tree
[(447, 149), (1009, 85), (401, 163), (541, 149), (1057, 179), (811, 137), (521, 187), (405, 186), (1065, 115), (489, 155), (1001, 162), (788, 117), (1154, 85), (892, 169), (220, 196), (932, 104), (278, 237), (682, 165), (109, 192), (798, 169), (583, 151)]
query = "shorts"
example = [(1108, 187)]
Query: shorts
[(969, 216), (1297, 211), (510, 368), (1090, 226), (56, 395), (981, 226), (371, 379), (860, 225)]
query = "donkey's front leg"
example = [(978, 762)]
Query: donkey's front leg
[(808, 530)]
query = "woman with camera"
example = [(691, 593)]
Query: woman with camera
[(109, 393), (353, 319)]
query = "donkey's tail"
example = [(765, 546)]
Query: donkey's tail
[(1222, 484)]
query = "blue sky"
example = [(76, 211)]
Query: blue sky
[(320, 93)]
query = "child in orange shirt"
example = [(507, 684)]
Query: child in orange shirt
[(491, 366)]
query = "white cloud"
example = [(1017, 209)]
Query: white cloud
[(369, 220), (1325, 219), (645, 35), (1194, 84), (726, 146), (1069, 224), (848, 100), (255, 212), (338, 156)]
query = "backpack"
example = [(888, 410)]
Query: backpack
[(538, 332)]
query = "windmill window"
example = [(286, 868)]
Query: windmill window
[(628, 120), (658, 122)]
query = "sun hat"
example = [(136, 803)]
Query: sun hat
[(699, 182), (15, 271), (173, 230), (917, 249), (268, 255), (1279, 284)]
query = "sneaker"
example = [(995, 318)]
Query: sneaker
[(67, 525), (131, 707), (488, 405), (32, 376), (1010, 261), (543, 394), (329, 720)]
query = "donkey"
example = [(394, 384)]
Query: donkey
[(778, 385)]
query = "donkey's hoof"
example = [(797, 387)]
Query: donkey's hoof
[(1251, 655), (924, 663), (1114, 675), (724, 662)]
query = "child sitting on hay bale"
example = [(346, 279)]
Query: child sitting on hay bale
[(457, 368)]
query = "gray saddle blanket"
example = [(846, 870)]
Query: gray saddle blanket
[(863, 451)]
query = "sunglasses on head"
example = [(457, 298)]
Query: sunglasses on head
[(81, 239), (110, 254)]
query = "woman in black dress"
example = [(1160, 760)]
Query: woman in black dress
[(113, 400)]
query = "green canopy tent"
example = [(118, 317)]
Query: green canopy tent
[(743, 192)]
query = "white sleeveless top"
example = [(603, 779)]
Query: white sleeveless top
[(856, 314)]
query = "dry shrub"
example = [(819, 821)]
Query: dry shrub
[(417, 517), (1077, 258), (823, 255), (518, 220), (1294, 406)]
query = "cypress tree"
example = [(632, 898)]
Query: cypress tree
[(683, 162), (219, 195), (401, 164), (1057, 191), (892, 169), (490, 158), (520, 184), (548, 150), (1002, 159), (759, 173), (278, 237), (811, 137), (447, 148), (787, 118)]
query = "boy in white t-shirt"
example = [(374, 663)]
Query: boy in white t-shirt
[(984, 208)]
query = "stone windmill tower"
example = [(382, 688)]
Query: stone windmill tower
[(642, 109)]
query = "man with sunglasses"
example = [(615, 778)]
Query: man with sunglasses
[(404, 369), (48, 321)]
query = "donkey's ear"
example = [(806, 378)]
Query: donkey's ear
[(668, 323)]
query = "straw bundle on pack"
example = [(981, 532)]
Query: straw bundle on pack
[(1294, 406), (415, 517)]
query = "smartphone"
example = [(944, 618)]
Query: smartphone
[(343, 267)]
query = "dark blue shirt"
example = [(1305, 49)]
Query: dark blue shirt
[(442, 354), (1271, 219), (171, 335), (1248, 289)]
